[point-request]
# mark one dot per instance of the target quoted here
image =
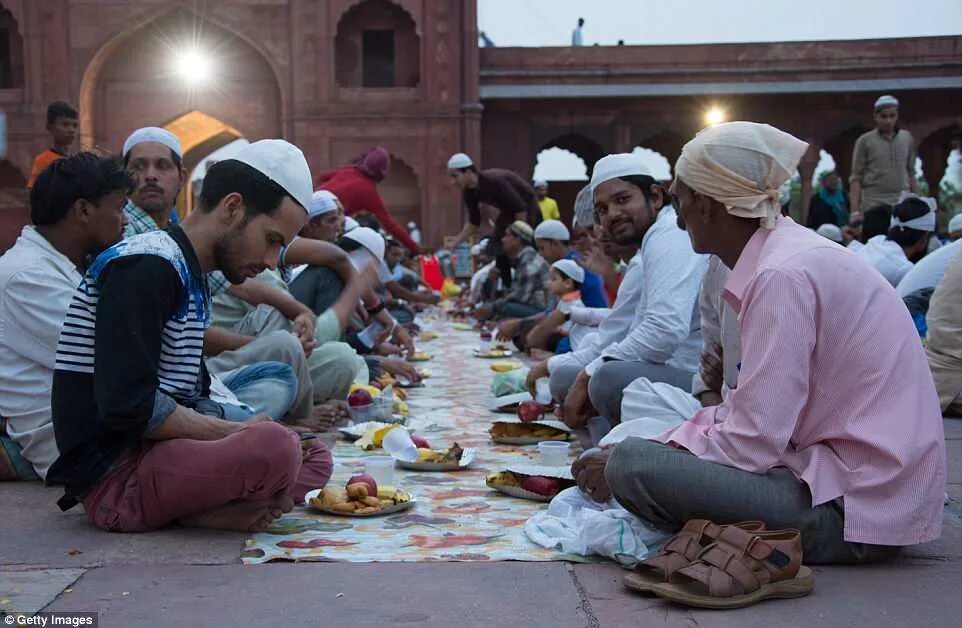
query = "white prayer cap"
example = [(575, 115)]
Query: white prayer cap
[(540, 183), (369, 239), (322, 202), (412, 225), (956, 223), (552, 230), (350, 224), (153, 134), (925, 222), (616, 166), (741, 165), (584, 208), (459, 161), (830, 231), (928, 200), (476, 250), (284, 164), (887, 100), (569, 268)]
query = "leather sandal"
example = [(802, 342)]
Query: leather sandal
[(679, 551), (741, 568)]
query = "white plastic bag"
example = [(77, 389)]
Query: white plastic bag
[(576, 524), (650, 408)]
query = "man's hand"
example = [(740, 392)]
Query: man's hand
[(712, 369), (589, 473), (537, 371), (303, 328), (484, 312), (710, 398), (508, 329), (577, 407), (403, 338), (596, 261), (400, 368), (386, 348)]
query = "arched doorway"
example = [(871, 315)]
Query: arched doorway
[(135, 80), (14, 213), (377, 45), (569, 159), (11, 51), (402, 193)]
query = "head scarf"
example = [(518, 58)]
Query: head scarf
[(741, 165), (375, 163), (835, 200)]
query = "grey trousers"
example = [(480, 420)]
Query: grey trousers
[(667, 486), (562, 378), (317, 287), (607, 385), (276, 346)]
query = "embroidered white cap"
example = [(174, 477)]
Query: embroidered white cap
[(284, 164), (322, 202), (552, 230), (615, 166), (153, 134), (570, 269), (459, 161), (888, 100), (369, 239), (955, 224), (830, 231)]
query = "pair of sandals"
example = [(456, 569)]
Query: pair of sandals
[(707, 565)]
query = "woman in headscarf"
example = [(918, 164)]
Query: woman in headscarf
[(829, 206), (356, 187)]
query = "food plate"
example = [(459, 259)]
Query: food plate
[(466, 459), (494, 354), (404, 382), (354, 432), (462, 326), (560, 432), (427, 336), (509, 403), (387, 510), (562, 474), (419, 356)]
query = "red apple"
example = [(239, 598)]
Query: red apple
[(420, 442), (530, 411), (541, 485), (359, 397), (364, 478)]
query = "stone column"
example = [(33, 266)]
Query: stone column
[(806, 170)]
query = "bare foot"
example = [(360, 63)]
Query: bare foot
[(244, 516)]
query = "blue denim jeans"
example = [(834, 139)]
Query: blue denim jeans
[(264, 388)]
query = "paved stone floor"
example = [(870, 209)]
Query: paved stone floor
[(56, 562)]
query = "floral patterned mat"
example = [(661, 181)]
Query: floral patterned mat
[(456, 518)]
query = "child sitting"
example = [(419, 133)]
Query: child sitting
[(555, 330)]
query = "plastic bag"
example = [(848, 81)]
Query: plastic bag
[(509, 383), (650, 408), (576, 524)]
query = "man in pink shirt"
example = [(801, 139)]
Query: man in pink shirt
[(835, 427)]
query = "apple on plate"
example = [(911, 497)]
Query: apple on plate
[(364, 478), (530, 411), (359, 397)]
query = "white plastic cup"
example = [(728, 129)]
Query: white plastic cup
[(484, 346), (553, 453), (362, 414), (381, 468), (399, 445), (542, 391)]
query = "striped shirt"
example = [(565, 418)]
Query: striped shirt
[(833, 385)]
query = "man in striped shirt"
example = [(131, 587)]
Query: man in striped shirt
[(141, 444), (835, 427)]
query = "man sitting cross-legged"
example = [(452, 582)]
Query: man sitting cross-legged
[(130, 376), (835, 428)]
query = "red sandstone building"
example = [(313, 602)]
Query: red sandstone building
[(338, 76)]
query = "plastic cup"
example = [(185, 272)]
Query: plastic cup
[(381, 468), (399, 444), (361, 414), (553, 453), (542, 389)]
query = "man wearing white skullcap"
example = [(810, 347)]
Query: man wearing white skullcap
[(512, 197), (814, 438), (883, 161), (154, 158), (907, 241), (326, 220), (652, 330), (150, 383), (955, 227)]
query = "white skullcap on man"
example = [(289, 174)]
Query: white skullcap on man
[(552, 230), (369, 239), (459, 161), (955, 224), (322, 202), (540, 183), (284, 164), (741, 165), (570, 269), (830, 231), (153, 134), (888, 100), (925, 222), (617, 166), (584, 208), (350, 224)]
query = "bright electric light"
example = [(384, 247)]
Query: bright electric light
[(714, 116), (193, 66)]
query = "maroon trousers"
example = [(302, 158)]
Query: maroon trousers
[(167, 480)]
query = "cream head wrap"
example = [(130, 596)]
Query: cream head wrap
[(741, 165)]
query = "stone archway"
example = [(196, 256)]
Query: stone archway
[(402, 193), (564, 192), (841, 147), (377, 45), (11, 51), (130, 82)]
